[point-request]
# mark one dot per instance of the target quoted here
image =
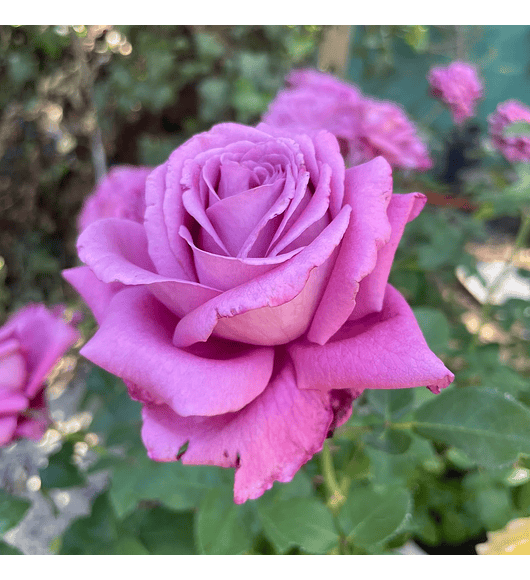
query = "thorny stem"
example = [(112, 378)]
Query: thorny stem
[(522, 234)]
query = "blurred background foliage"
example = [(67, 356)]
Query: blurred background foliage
[(75, 100)]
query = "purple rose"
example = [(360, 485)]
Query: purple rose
[(251, 305), (385, 130), (365, 128), (459, 87), (516, 147), (120, 194), (31, 342)]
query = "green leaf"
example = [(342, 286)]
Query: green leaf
[(370, 517), (390, 403), (491, 428), (434, 326), (12, 510), (222, 526), (95, 534), (517, 129), (167, 532), (7, 550), (177, 486), (303, 522), (358, 466), (392, 441), (61, 472)]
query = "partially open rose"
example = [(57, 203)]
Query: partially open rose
[(251, 305), (31, 342)]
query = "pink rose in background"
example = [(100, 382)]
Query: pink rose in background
[(459, 87), (365, 128), (384, 129), (31, 342), (120, 194), (515, 148), (251, 306), (317, 101)]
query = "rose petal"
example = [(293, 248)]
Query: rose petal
[(313, 212), (272, 308), (134, 343), (402, 209), (385, 350), (95, 293), (45, 339), (368, 190), (33, 428), (235, 217), (7, 429), (12, 366), (13, 403), (116, 251), (171, 258), (225, 272), (268, 440)]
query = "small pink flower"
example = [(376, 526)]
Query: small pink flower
[(121, 194), (364, 127), (31, 342), (459, 87), (514, 148)]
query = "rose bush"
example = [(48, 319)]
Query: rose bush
[(31, 342), (250, 306), (515, 147), (459, 87), (366, 128)]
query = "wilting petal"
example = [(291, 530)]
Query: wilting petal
[(272, 308), (385, 350), (368, 190), (134, 343), (116, 251), (402, 209), (266, 441)]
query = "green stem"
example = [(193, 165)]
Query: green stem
[(522, 235), (336, 497)]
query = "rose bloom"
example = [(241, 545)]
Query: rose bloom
[(514, 148), (384, 129), (366, 128), (31, 342), (459, 87), (120, 194), (251, 305)]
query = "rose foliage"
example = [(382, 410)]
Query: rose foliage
[(250, 306)]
